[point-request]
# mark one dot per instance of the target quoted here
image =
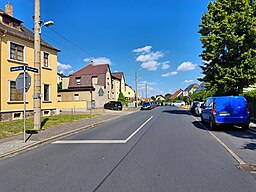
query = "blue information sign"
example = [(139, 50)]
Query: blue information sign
[(35, 70), (27, 68), (19, 68)]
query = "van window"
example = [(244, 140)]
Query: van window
[(209, 102)]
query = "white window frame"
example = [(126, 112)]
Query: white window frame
[(49, 93), (42, 59), (9, 92), (24, 52)]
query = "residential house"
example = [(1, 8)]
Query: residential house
[(190, 89), (92, 83), (160, 97), (176, 94), (129, 93), (17, 49), (201, 87), (118, 84)]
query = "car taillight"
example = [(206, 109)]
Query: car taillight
[(248, 110), (214, 112)]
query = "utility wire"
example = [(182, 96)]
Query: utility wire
[(82, 49)]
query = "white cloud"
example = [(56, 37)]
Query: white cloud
[(186, 66), (188, 81), (99, 60), (169, 74), (153, 56), (150, 65), (145, 49), (165, 65), (62, 68)]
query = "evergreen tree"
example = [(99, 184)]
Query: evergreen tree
[(228, 35), (121, 97)]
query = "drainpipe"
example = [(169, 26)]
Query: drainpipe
[(1, 38)]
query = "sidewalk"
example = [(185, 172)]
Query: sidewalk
[(15, 144)]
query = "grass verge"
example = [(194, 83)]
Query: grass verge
[(15, 127)]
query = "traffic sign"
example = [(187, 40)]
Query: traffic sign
[(20, 82), (19, 68)]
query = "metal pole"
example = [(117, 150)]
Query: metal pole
[(24, 113), (136, 95), (37, 64)]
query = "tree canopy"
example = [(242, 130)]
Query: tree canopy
[(121, 97), (228, 35)]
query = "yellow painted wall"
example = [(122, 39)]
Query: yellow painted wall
[(127, 90), (72, 105), (49, 76), (69, 96)]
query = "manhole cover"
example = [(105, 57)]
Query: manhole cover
[(249, 168)]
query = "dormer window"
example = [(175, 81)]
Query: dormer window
[(7, 21), (78, 80), (11, 22)]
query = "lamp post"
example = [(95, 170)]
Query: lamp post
[(37, 64)]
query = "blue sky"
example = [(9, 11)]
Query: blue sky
[(156, 38)]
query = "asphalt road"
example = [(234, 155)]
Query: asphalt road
[(164, 149)]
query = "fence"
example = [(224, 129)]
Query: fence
[(252, 108)]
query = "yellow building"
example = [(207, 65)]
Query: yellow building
[(129, 93), (17, 49)]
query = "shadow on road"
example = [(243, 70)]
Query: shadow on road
[(198, 125), (175, 111)]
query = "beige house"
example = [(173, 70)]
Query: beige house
[(129, 93), (118, 84), (91, 84)]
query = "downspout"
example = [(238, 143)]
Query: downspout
[(1, 38)]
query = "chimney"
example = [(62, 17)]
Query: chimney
[(9, 9), (91, 63)]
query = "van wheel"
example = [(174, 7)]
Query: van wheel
[(212, 125), (245, 126)]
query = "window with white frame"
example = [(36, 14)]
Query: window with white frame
[(78, 80), (46, 92), (45, 59), (14, 94), (16, 52)]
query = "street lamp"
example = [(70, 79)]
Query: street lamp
[(38, 24)]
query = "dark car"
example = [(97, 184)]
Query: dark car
[(146, 105), (193, 106), (226, 110), (113, 105)]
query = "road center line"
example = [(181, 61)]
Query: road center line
[(102, 141)]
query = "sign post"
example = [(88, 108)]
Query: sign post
[(23, 82)]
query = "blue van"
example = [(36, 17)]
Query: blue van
[(226, 110)]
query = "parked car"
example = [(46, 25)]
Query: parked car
[(146, 105), (198, 108), (178, 103), (193, 106), (226, 110), (113, 105)]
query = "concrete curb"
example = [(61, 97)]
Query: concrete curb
[(30, 146)]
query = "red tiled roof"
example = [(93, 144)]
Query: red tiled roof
[(176, 94), (87, 73), (118, 75)]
